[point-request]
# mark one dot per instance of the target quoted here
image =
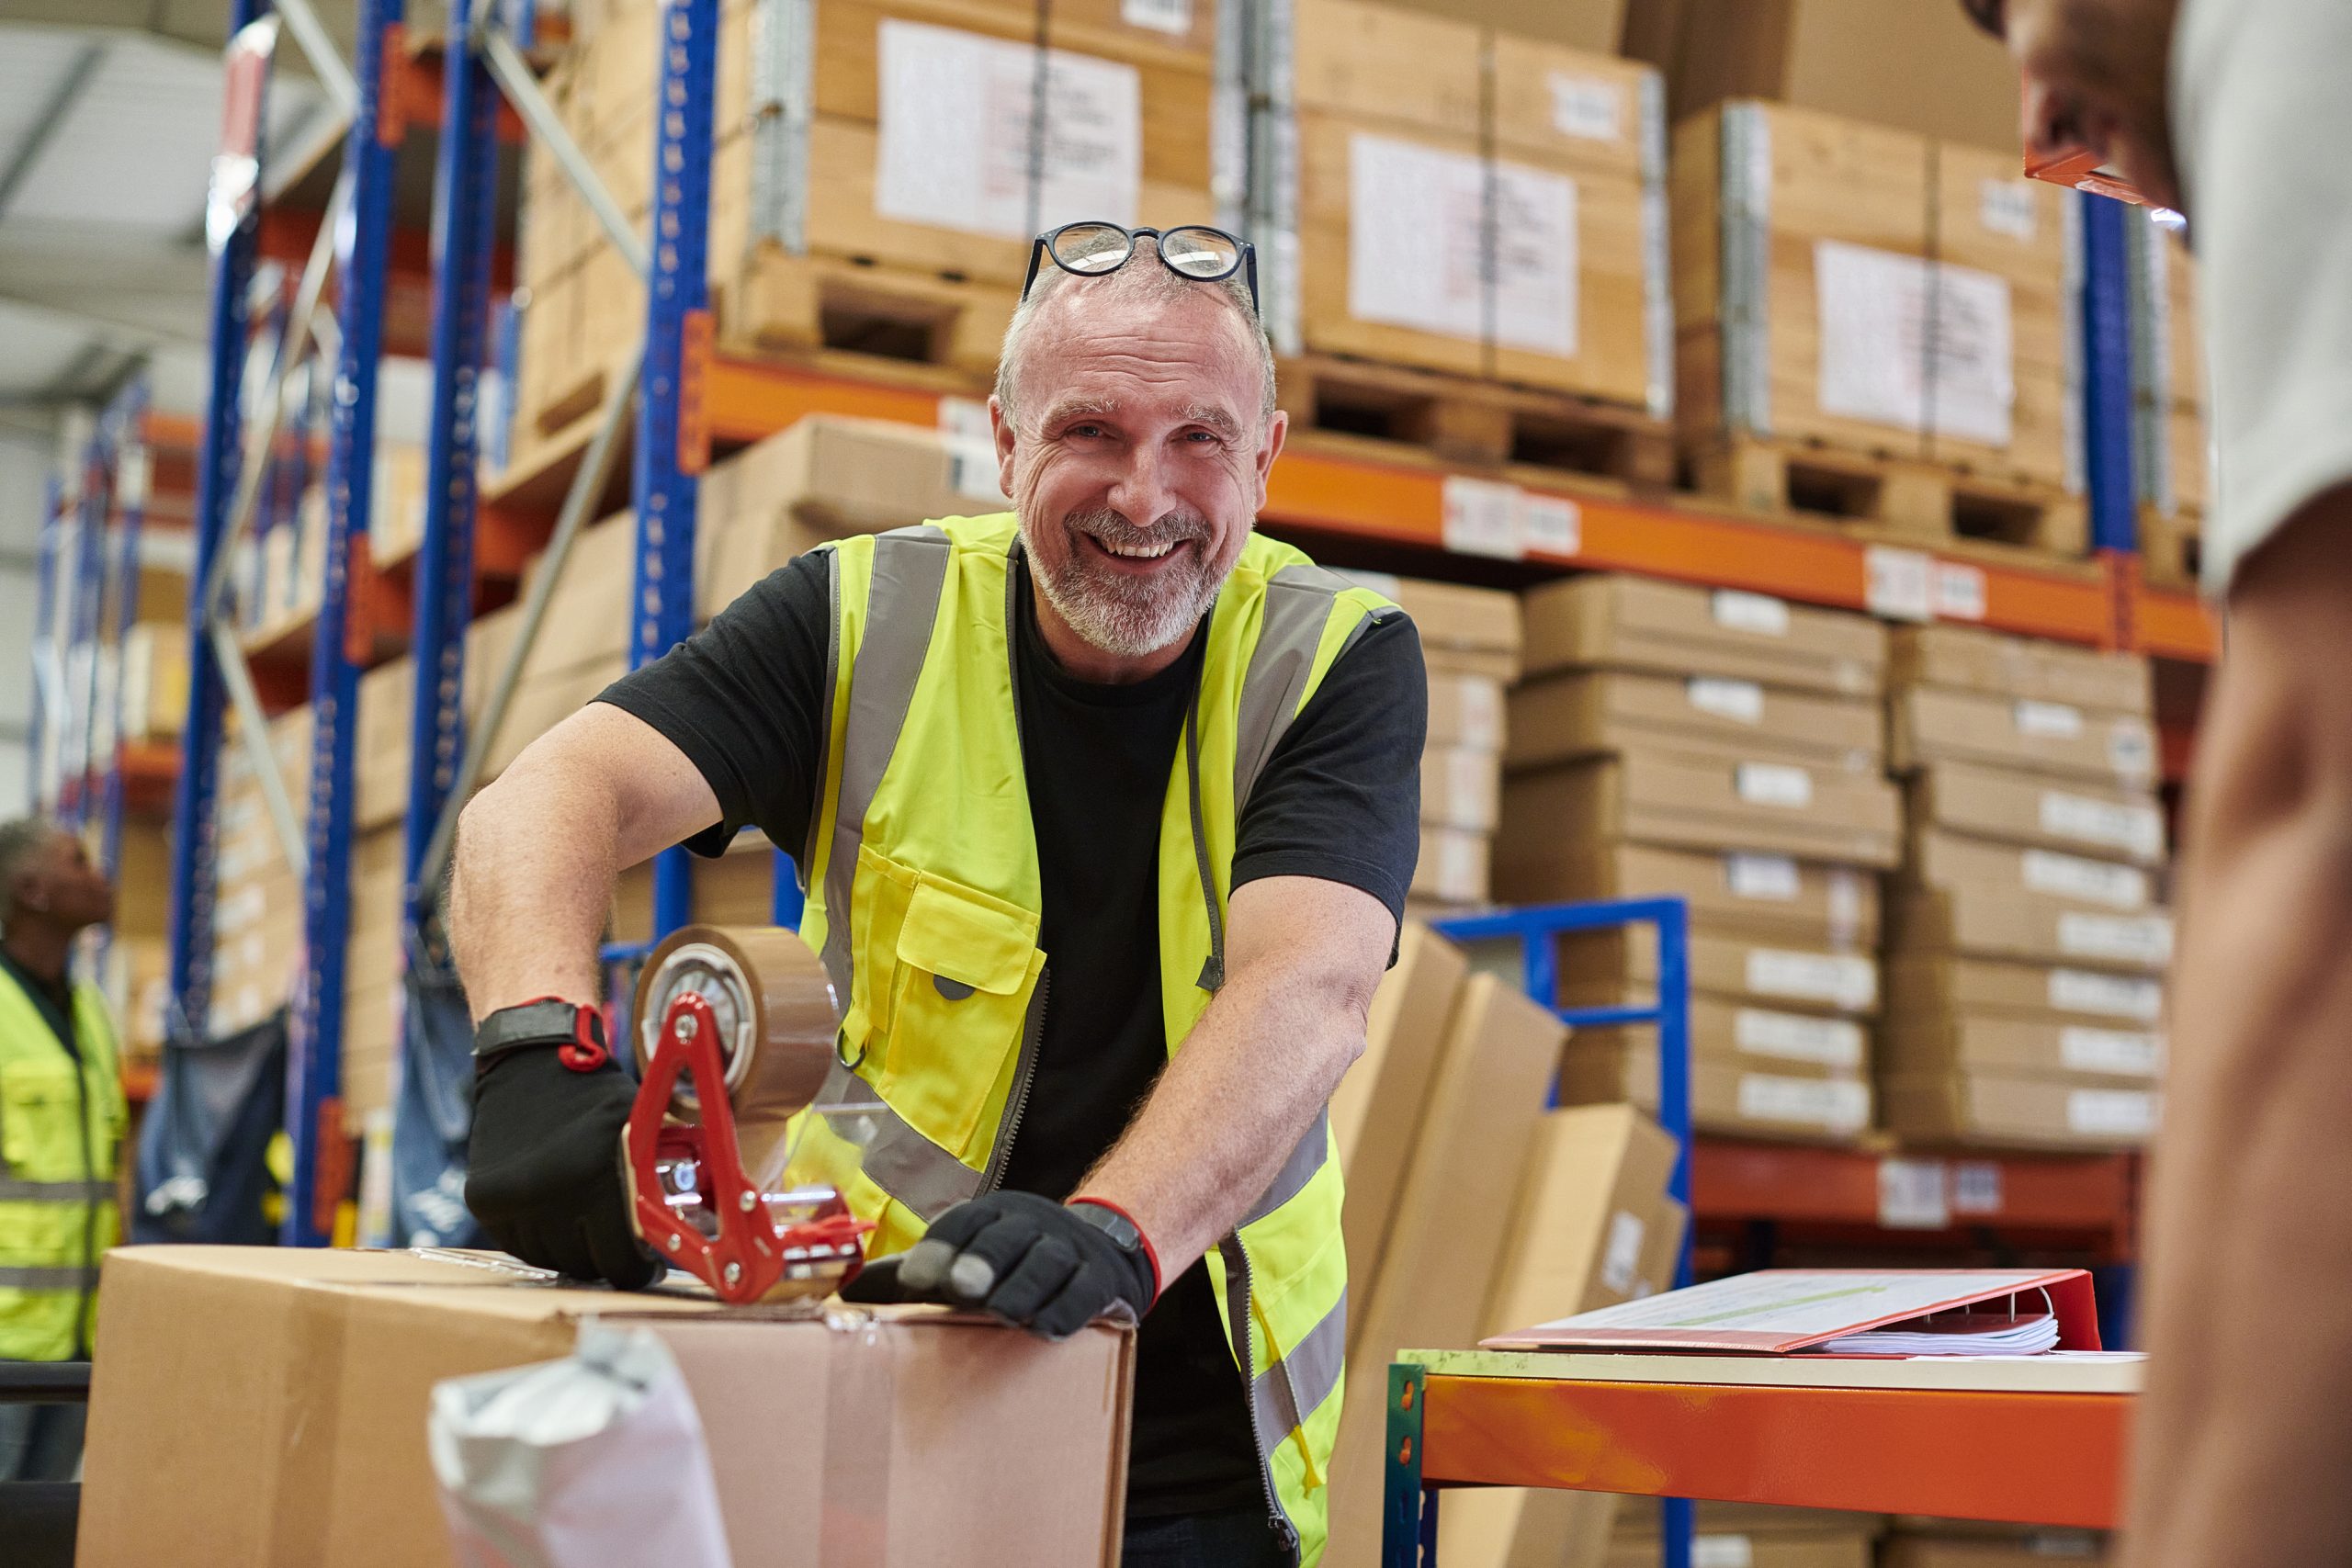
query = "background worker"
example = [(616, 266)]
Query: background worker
[(1153, 783), (61, 1116), (2235, 112)]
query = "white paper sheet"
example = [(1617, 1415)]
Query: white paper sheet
[(1882, 362)]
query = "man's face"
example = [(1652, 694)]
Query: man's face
[(2096, 78), (60, 884), (1139, 461)]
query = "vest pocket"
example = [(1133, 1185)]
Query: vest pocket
[(40, 1123)]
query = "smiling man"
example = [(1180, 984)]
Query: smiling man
[(1107, 808)]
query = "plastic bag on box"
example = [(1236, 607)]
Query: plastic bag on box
[(594, 1461)]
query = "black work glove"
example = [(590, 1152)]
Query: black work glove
[(543, 1166), (1029, 1261)]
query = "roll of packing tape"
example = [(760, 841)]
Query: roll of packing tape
[(777, 1022)]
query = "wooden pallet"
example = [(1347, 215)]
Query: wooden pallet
[(798, 306), (1929, 501), (1461, 420), (2171, 548)]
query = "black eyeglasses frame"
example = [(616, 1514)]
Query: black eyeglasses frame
[(1245, 259)]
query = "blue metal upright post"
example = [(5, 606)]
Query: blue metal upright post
[(132, 474), (87, 600), (314, 1061), (666, 479), (2107, 373), (194, 823)]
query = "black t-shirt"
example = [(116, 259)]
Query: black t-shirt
[(1340, 799)]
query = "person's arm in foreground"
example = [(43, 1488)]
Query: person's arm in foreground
[(2244, 1437)]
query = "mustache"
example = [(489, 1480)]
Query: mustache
[(1113, 527)]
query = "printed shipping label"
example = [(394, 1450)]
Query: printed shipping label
[(1837, 979), (2136, 939), (1913, 1195), (2112, 1112), (1587, 108), (1549, 525), (2005, 206), (1832, 1042), (2092, 880), (1898, 584), (1959, 592), (1721, 1552), (2110, 1051), (955, 149), (1913, 345), (1742, 702), (1761, 876), (1620, 1258), (2053, 721), (1481, 517), (1173, 17), (1976, 1188), (1838, 1105), (1774, 784), (2112, 996), (1756, 613), (2137, 829)]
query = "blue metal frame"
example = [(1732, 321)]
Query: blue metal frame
[(314, 1061), (1409, 1508), (123, 430), (2107, 373)]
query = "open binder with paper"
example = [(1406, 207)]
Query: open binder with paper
[(1842, 1312)]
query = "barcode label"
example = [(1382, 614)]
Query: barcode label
[(1774, 784), (1913, 1195), (2110, 996), (1838, 1105), (1960, 592), (2092, 880), (1899, 584), (1742, 702), (1481, 517), (1549, 525), (1773, 877), (2112, 1112), (1588, 109), (1837, 979), (1160, 16), (1976, 1188), (1832, 1042), (2110, 1051), (1750, 613), (2053, 721), (2134, 939)]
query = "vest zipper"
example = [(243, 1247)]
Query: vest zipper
[(1276, 1520), (1033, 1030)]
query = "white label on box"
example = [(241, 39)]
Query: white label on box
[(1470, 787), (1458, 867), (2134, 827), (2112, 996), (1481, 517), (1844, 905), (1757, 612), (2110, 1051), (1742, 702), (1721, 1552), (1762, 876), (1481, 701), (1837, 1104), (1621, 1256), (1838, 979), (2048, 721), (2112, 1112), (2093, 881), (1833, 1042), (1774, 784), (1884, 359), (1913, 1195), (2005, 206), (2131, 750), (1416, 245), (2132, 939), (1173, 17), (1976, 1188), (1898, 584), (1587, 108), (1959, 592), (956, 116), (1549, 525)]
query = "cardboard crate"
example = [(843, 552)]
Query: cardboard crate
[(1465, 631), (1466, 710), (1994, 923), (1453, 866), (2017, 1111), (1926, 1042), (1944, 861), (1658, 797), (1935, 982), (2024, 809), (1832, 1549), (1785, 1100), (1461, 788), (313, 1393), (1563, 716), (2019, 669), (1942, 1544), (1833, 906), (1619, 966), (1929, 724), (1669, 629)]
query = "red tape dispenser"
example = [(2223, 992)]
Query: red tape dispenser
[(735, 1033)]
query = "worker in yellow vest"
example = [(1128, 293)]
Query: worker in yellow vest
[(60, 1118), (1105, 807)]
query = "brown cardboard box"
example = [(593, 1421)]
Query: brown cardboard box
[(979, 1443), (1453, 866), (142, 881), (1920, 983), (1465, 631), (1466, 710), (380, 754), (1839, 1549), (1656, 797), (2021, 808), (1954, 1546), (1631, 623), (1833, 906), (1561, 717), (2017, 1111), (1376, 1111), (1620, 967), (1789, 1100), (2020, 669), (1764, 1039), (1926, 1042), (1934, 724), (1997, 922), (1945, 860), (1461, 788)]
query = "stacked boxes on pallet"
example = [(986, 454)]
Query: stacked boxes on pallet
[(1874, 325), (2169, 440), (2026, 944), (1470, 1210), (258, 900), (1725, 747), (136, 976)]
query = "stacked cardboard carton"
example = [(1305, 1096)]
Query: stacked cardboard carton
[(1723, 748), (1478, 202), (257, 900), (138, 950), (1952, 1543), (1752, 1534), (2027, 944), (371, 971), (1471, 1209)]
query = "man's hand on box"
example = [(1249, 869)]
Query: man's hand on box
[(1046, 1267)]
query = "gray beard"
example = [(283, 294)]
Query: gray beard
[(1118, 615)]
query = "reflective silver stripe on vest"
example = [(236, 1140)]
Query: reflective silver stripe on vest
[(825, 718), (901, 608), (56, 1191), (1298, 603), (1293, 1388), (1305, 1159), (897, 1158), (70, 1278)]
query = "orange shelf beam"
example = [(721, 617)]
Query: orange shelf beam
[(2046, 1459), (1730, 1180)]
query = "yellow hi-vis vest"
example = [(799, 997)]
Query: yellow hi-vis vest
[(60, 1121), (923, 897)]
